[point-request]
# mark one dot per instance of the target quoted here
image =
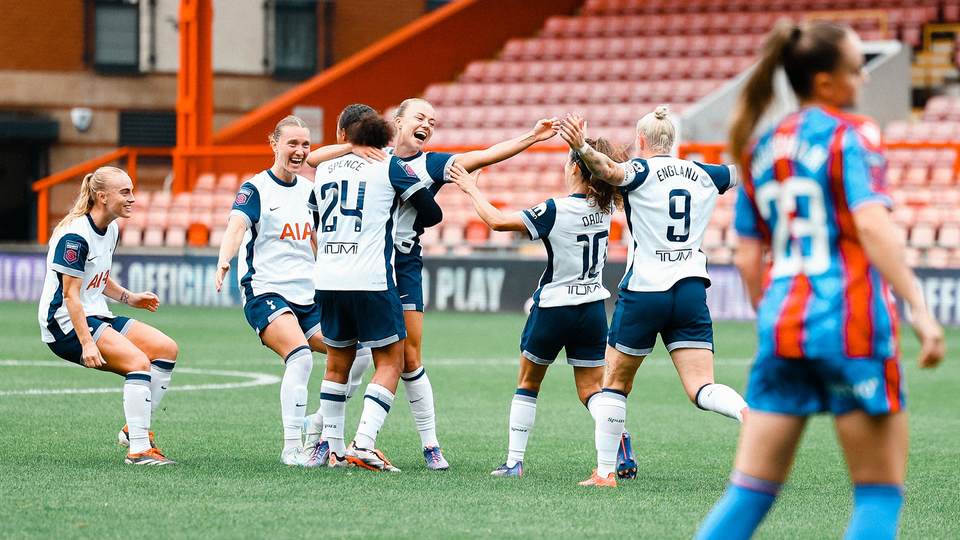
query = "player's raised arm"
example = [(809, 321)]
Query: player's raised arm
[(544, 130), (333, 151), (489, 213), (573, 131)]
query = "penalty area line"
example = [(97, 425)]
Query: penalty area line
[(254, 379)]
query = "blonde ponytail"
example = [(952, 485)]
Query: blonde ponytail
[(91, 184), (658, 130)]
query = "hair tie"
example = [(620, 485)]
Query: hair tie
[(795, 33)]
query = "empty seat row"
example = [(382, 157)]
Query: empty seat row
[(632, 47), (707, 67), (640, 91), (711, 23), (523, 117), (942, 108), (717, 6), (942, 131)]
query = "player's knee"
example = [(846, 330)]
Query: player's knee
[(317, 345), (169, 349), (140, 361)]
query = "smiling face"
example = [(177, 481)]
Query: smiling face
[(118, 196), (415, 127), (290, 149)]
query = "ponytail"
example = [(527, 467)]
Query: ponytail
[(600, 193), (803, 51), (757, 93), (91, 184)]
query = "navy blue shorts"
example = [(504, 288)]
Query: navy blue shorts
[(371, 318), (801, 387), (582, 330), (69, 348), (261, 310), (679, 315), (409, 268)]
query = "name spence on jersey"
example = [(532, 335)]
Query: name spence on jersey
[(354, 164)]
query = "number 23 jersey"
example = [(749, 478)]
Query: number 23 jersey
[(807, 176), (668, 202)]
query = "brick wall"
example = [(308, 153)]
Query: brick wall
[(42, 35)]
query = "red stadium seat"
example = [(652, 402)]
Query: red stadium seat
[(205, 183)]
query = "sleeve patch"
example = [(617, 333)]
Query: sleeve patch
[(243, 195), (72, 251), (638, 167), (539, 210), (407, 168)]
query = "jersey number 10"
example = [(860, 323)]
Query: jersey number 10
[(591, 253), (338, 199)]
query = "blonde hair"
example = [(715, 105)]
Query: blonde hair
[(288, 121), (658, 130), (402, 108), (92, 184)]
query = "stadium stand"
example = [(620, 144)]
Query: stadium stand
[(614, 62)]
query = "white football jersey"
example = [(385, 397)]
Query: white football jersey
[(668, 202), (276, 254), (575, 234), (431, 169), (357, 202), (81, 250)]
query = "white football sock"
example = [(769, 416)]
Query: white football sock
[(333, 405), (722, 399), (523, 412), (136, 407), (611, 413), (293, 395), (419, 392), (160, 372), (376, 404), (360, 365)]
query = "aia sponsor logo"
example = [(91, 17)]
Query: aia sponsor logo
[(296, 232)]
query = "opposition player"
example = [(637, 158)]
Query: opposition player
[(76, 323), (272, 218), (356, 290), (415, 121), (815, 197), (568, 311), (668, 202)]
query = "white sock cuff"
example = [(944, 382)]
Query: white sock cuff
[(380, 395), (138, 377), (614, 395), (333, 391), (161, 364), (413, 375), (298, 353)]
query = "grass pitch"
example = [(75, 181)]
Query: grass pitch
[(62, 473)]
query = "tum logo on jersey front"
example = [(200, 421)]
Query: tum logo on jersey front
[(340, 248), (674, 255)]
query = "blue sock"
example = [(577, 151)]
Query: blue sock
[(740, 510), (876, 511)]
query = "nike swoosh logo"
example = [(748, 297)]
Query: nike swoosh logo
[(301, 404), (163, 387), (404, 295), (91, 259), (275, 207), (416, 400)]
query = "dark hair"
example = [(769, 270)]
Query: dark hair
[(600, 193), (803, 50), (364, 126)]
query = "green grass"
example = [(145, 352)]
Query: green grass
[(62, 473)]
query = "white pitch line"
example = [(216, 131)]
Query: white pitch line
[(256, 379)]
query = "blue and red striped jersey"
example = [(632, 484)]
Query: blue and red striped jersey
[(804, 179)]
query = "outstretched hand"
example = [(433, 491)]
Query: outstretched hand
[(369, 153), (573, 130), (546, 128), (464, 180), (144, 300), (222, 270), (932, 348)]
